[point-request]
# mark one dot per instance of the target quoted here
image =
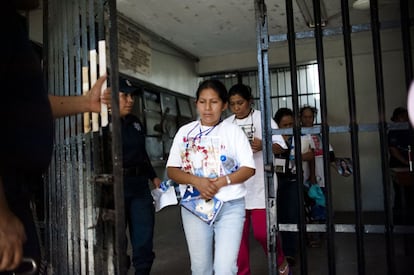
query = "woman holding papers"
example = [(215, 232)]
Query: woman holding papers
[(226, 162)]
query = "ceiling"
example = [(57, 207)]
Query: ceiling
[(206, 28)]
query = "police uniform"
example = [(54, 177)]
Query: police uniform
[(139, 207)]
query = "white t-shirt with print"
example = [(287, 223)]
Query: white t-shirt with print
[(255, 196), (233, 142)]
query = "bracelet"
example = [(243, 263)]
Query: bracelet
[(228, 180)]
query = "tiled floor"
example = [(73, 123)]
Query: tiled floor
[(172, 256)]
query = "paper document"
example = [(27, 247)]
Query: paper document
[(164, 198)]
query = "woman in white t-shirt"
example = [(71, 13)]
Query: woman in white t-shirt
[(211, 136), (249, 120)]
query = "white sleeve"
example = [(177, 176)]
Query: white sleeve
[(174, 157), (277, 138)]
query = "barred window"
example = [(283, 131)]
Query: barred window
[(281, 90)]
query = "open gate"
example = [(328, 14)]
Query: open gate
[(359, 228)]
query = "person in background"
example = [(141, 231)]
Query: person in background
[(137, 169), (249, 120), (399, 140), (287, 192), (225, 233), (399, 143), (314, 171), (307, 119), (26, 143)]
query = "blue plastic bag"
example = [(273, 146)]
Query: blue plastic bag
[(316, 193)]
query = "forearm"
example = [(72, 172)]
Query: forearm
[(72, 105), (308, 156), (396, 154), (241, 175), (277, 149), (68, 105), (179, 176)]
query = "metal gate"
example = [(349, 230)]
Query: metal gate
[(85, 225), (85, 232), (358, 228)]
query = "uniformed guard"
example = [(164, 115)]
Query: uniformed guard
[(137, 170)]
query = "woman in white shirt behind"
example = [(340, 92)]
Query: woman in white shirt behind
[(249, 120)]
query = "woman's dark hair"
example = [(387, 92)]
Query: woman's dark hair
[(281, 113), (307, 107), (398, 112), (243, 90), (214, 84)]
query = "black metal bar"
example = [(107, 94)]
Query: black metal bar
[(80, 28), (120, 241), (63, 90), (349, 228), (46, 55), (359, 228), (296, 132), (77, 141), (406, 42), (71, 149), (67, 168), (376, 41), (368, 127), (338, 30), (325, 137), (264, 90), (87, 249), (54, 178)]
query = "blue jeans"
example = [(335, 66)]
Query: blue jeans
[(140, 218), (288, 212), (225, 232)]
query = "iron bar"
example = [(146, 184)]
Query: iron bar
[(337, 31), (325, 136), (354, 135), (406, 42), (296, 132), (82, 61), (376, 41), (120, 241), (349, 228), (264, 89)]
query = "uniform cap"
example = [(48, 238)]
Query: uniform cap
[(127, 87)]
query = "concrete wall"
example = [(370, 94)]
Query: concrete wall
[(169, 69)]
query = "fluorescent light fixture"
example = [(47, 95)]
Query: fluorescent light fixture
[(306, 8), (361, 4)]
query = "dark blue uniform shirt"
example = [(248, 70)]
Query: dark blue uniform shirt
[(133, 147)]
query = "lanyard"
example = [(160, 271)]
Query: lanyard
[(201, 132)]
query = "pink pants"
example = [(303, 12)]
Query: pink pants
[(257, 218)]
